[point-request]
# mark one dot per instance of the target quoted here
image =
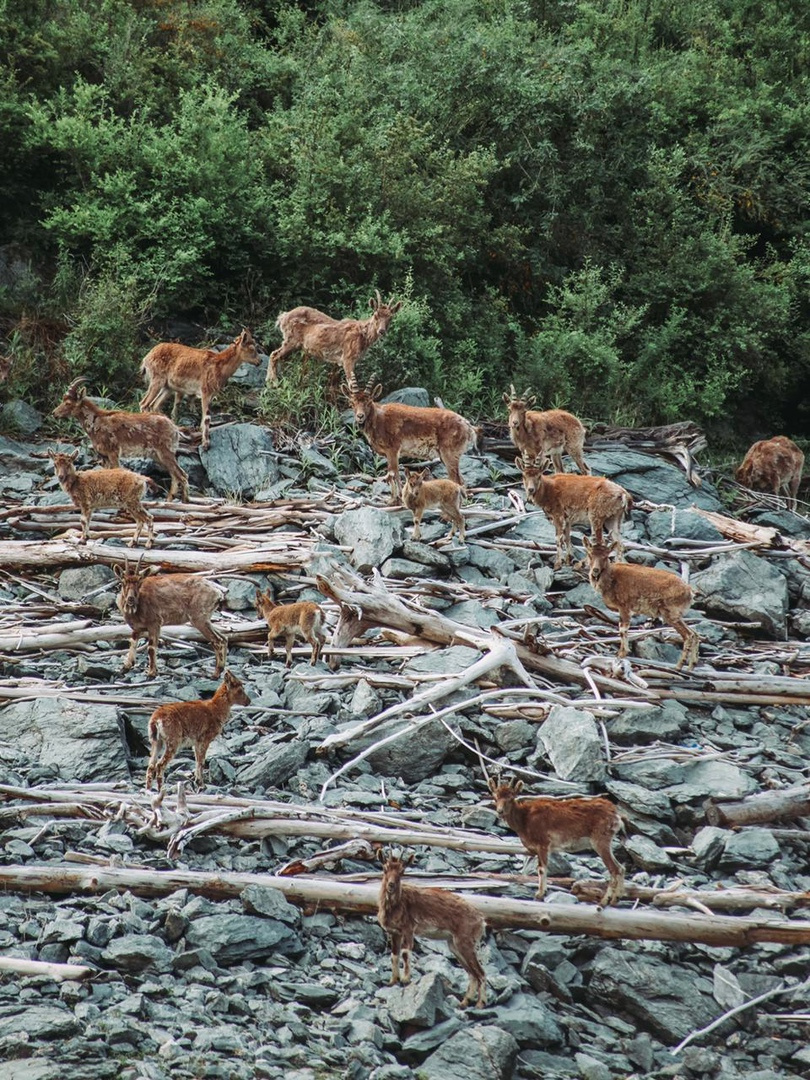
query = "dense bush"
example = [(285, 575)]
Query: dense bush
[(606, 201)]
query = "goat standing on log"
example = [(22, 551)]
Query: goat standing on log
[(190, 723), (773, 465), (334, 341), (643, 590), (420, 492), (568, 500), (114, 433), (543, 435), (419, 432), (149, 603), (98, 489), (405, 910), (171, 367), (544, 824), (303, 619)]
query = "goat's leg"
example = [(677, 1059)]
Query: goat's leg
[(157, 769), (151, 652), (466, 952), (271, 643), (275, 358), (691, 642), (200, 751), (178, 477), (407, 949), (450, 462), (289, 641), (396, 939), (85, 526), (575, 450), (602, 845), (555, 453), (393, 477), (542, 854), (624, 627), (205, 420), (129, 661), (417, 524)]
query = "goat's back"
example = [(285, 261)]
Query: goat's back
[(419, 430), (173, 599), (432, 913), (644, 589), (132, 433), (770, 463)]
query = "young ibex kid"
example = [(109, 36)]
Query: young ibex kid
[(546, 824), (643, 590), (303, 619), (171, 367), (149, 603), (190, 723), (419, 491), (405, 910), (101, 489), (567, 499)]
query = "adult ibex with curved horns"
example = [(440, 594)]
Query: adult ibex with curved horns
[(334, 341), (542, 435)]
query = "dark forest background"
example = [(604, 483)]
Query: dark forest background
[(606, 201)]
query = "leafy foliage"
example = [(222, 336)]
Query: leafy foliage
[(605, 200)]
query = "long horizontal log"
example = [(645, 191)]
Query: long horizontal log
[(59, 972), (735, 899), (610, 923), (763, 806), (268, 558)]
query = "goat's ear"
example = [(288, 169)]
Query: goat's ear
[(74, 456), (424, 474), (395, 307), (51, 454), (506, 399), (376, 392), (518, 786), (493, 787), (373, 303), (381, 855), (409, 860), (586, 543)]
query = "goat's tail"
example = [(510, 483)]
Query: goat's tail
[(479, 439)]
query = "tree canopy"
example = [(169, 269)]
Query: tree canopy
[(605, 200)]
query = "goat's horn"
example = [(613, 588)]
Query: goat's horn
[(379, 298), (512, 392), (76, 383), (371, 382)]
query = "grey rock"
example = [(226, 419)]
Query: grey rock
[(43, 1022), (529, 1021), (719, 778), (472, 613), (34, 1068), (646, 854), (409, 395), (423, 1041), (317, 462), (744, 586), (371, 533), (418, 1003), (641, 800), (647, 476), (753, 847), (402, 569), (240, 595), (234, 938), (240, 461), (17, 415), (573, 743), (138, 952), (271, 903), (491, 561), (365, 700), (536, 527), (708, 844), (425, 555), (274, 767), (663, 723), (663, 525), (414, 756), (83, 741), (663, 998), (511, 735), (480, 1052), (449, 661), (81, 584), (590, 1068)]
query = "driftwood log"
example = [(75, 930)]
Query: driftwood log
[(762, 806)]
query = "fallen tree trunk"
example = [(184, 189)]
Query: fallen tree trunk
[(763, 806), (610, 923), (59, 972), (268, 558), (736, 899)]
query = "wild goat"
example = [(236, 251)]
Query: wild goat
[(420, 491), (396, 429), (773, 465), (546, 824), (198, 372), (335, 342), (5, 367), (149, 603), (405, 910), (114, 433), (542, 435), (97, 489), (304, 619), (570, 500), (643, 590), (190, 723)]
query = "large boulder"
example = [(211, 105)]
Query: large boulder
[(573, 743), (241, 460), (84, 741), (233, 938), (371, 533), (481, 1052), (744, 586), (647, 476)]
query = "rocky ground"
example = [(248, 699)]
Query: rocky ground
[(183, 985)]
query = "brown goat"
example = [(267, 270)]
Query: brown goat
[(643, 590), (171, 367), (97, 489), (396, 429), (303, 619), (544, 824), (543, 435), (335, 342), (149, 603), (569, 500), (773, 465), (114, 433), (405, 910), (5, 367), (420, 491), (190, 723)]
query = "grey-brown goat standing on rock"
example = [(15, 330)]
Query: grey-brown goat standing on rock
[(643, 590), (334, 341), (303, 619), (149, 603), (773, 465), (567, 500), (202, 373), (190, 723), (405, 910), (419, 432), (543, 435), (102, 489), (115, 434), (545, 824), (420, 492)]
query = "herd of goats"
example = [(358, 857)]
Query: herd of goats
[(149, 602)]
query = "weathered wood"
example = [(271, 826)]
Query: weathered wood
[(269, 558), (736, 899), (58, 972), (609, 923), (762, 806)]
